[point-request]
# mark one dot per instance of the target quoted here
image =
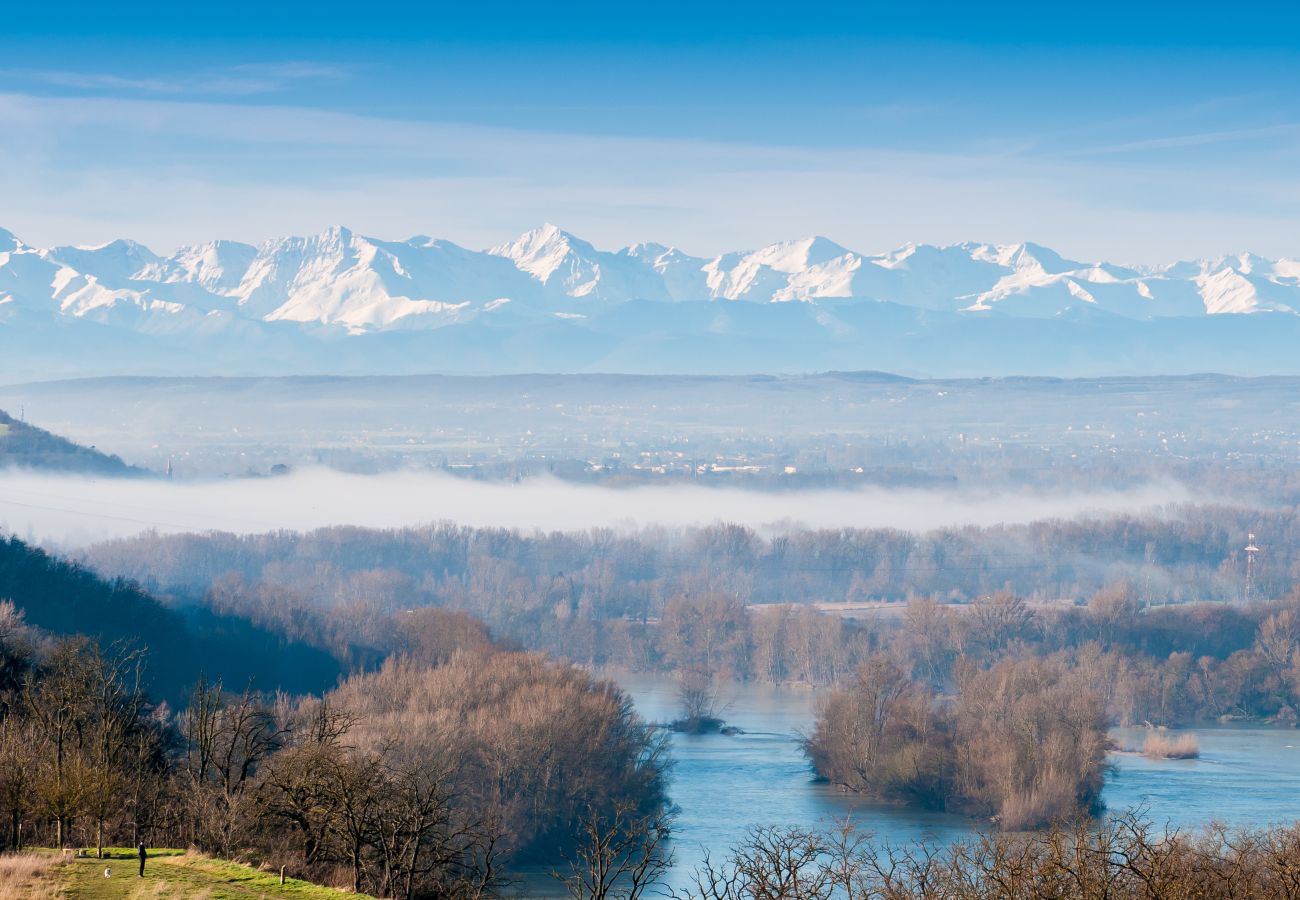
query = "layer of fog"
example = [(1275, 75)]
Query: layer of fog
[(74, 511)]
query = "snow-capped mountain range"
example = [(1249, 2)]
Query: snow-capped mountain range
[(338, 284)]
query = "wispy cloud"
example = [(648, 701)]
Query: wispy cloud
[(1197, 139), (237, 81), (92, 81), (171, 169), (290, 70)]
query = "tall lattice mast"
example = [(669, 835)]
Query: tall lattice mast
[(1251, 552)]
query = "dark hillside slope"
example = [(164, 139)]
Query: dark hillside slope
[(64, 598), (29, 447)]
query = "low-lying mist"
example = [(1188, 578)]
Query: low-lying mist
[(77, 511)]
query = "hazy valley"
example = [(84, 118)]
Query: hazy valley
[(886, 486)]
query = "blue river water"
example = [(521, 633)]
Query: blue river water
[(723, 785)]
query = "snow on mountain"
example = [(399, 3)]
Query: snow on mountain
[(792, 270), (739, 276), (26, 280), (931, 277), (1031, 258), (340, 278), (112, 264), (219, 266), (568, 266), (683, 277), (545, 251), (799, 256), (349, 283)]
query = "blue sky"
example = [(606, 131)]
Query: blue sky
[(1108, 130)]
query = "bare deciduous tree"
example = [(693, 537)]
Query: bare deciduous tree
[(619, 856)]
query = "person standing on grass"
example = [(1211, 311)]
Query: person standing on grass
[(143, 855)]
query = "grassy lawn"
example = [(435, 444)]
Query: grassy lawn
[(168, 874)]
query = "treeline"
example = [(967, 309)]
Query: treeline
[(574, 594), (629, 605), (1161, 666), (1168, 665), (1164, 664), (415, 780)]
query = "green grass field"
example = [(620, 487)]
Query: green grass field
[(168, 874)]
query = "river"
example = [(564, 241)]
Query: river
[(724, 784)]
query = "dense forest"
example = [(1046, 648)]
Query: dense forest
[(628, 598), (1187, 553)]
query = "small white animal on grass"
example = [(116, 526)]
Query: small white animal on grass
[(108, 873)]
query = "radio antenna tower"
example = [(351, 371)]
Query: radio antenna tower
[(1251, 552)]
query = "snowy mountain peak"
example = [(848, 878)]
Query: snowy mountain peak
[(543, 251), (536, 241), (569, 266), (1245, 262), (339, 279), (120, 249), (334, 239), (218, 266), (795, 256), (1026, 256), (111, 263), (647, 250), (336, 234), (1046, 259), (550, 301)]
